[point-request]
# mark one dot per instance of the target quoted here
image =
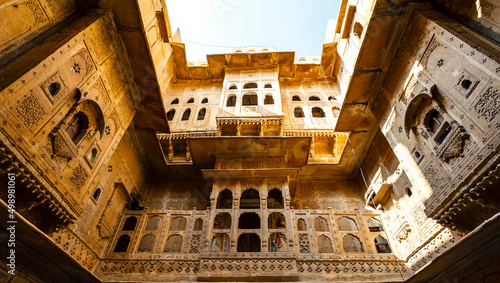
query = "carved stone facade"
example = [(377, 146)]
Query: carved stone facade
[(376, 161)]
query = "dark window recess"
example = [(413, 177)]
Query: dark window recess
[(466, 84), (298, 112), (435, 121), (205, 100), (122, 244), (97, 194), (296, 98), (248, 243), (250, 85), (54, 88), (201, 114), (191, 100), (249, 221), (269, 99), (225, 200), (274, 199), (231, 101), (129, 224), (314, 98), (186, 115), (175, 101), (408, 192), (233, 87), (249, 100), (250, 199), (268, 86), (317, 112), (382, 245), (170, 115)]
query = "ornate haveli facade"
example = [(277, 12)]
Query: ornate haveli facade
[(377, 161)]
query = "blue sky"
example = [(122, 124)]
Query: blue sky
[(288, 25)]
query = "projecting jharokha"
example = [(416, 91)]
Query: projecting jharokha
[(376, 161)]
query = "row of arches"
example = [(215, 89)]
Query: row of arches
[(250, 99), (249, 220), (187, 114), (178, 223), (250, 85), (250, 242), (250, 199), (190, 100), (316, 112), (313, 98)]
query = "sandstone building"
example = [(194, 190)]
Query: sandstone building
[(376, 161)]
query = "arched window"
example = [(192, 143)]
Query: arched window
[(204, 101), (173, 244), (438, 126), (122, 244), (129, 224), (77, 127), (201, 114), (320, 224), (268, 99), (332, 98), (335, 111), (92, 155), (248, 243), (352, 244), (186, 115), (324, 244), (191, 100), (233, 87), (170, 115), (250, 85), (225, 200), (382, 245), (274, 199), (250, 199), (268, 85), (408, 192), (314, 98), (317, 112), (249, 220), (220, 243), (374, 225), (222, 221), (175, 101), (147, 243), (347, 224), (296, 98), (178, 224), (276, 220), (231, 101), (54, 88), (249, 100), (198, 225), (277, 243), (153, 223), (298, 112), (97, 194), (301, 225)]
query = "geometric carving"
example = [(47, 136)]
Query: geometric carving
[(34, 6), (454, 145), (304, 244), (60, 146), (78, 177), (419, 214), (489, 104), (30, 110), (433, 45), (432, 175)]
